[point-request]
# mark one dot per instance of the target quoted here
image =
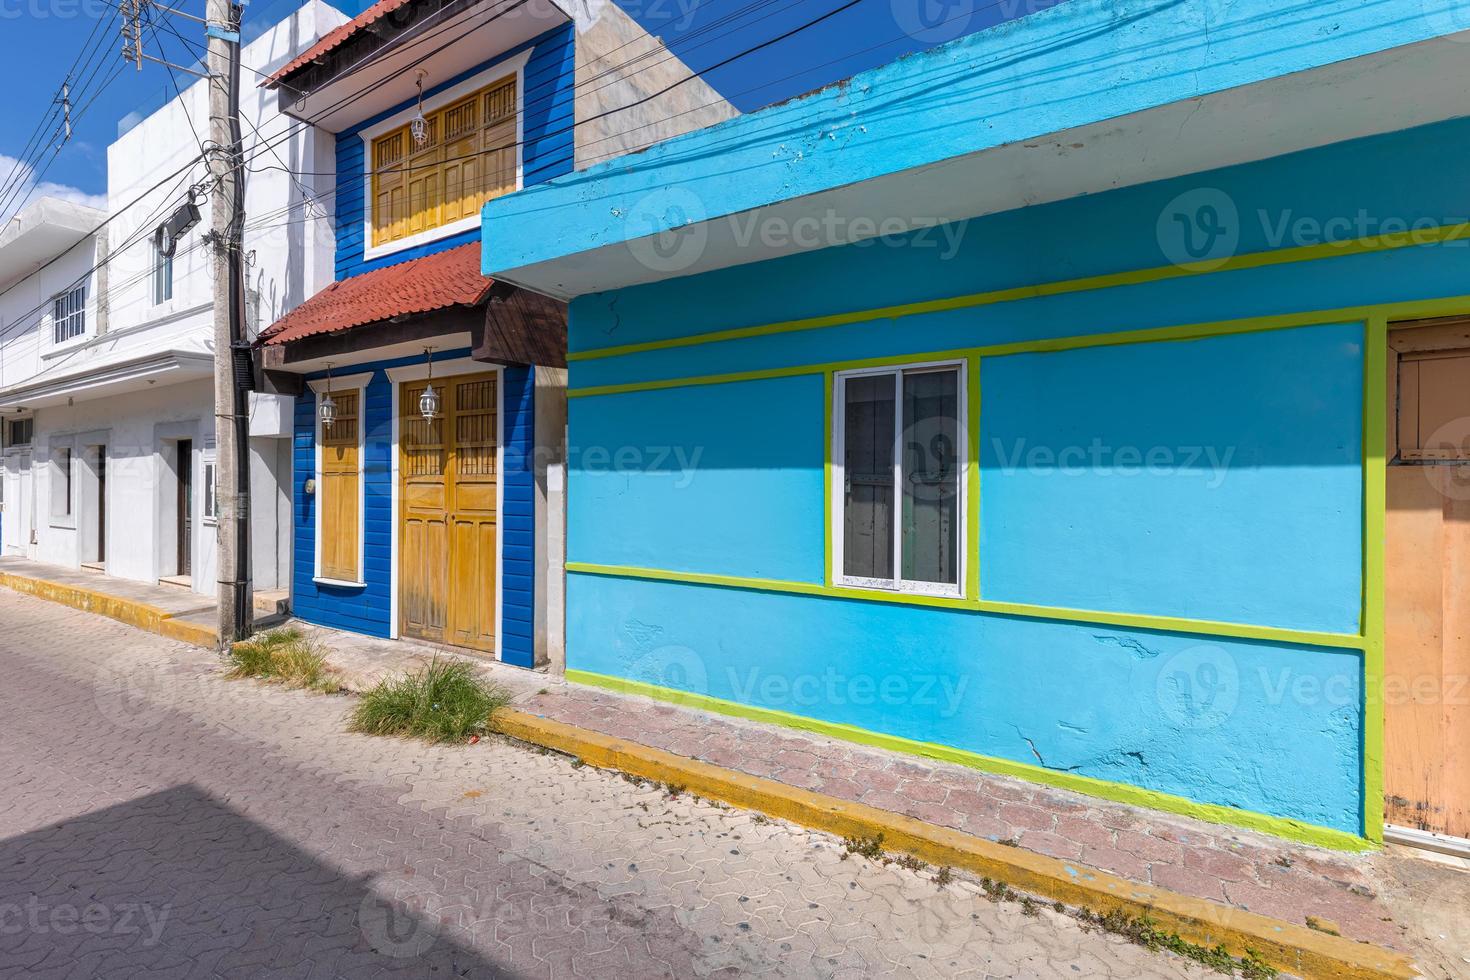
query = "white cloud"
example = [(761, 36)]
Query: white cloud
[(28, 186)]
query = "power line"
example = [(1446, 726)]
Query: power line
[(31, 142)]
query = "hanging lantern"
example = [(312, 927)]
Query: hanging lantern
[(328, 409), (429, 400), (429, 404), (418, 126)]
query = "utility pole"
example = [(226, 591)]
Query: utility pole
[(231, 386)]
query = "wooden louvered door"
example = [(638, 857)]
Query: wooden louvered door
[(341, 493), (449, 513)]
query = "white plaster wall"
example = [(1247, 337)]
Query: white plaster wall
[(27, 350), (138, 476), (288, 241)]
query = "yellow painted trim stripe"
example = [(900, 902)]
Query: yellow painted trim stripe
[(1189, 331), (1165, 624), (1375, 509), (1100, 788), (1252, 260), (972, 517)]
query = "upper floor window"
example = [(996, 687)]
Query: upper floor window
[(69, 313), (468, 156), (19, 432), (163, 268)]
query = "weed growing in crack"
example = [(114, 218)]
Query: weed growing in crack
[(996, 891), (943, 876), (1029, 908), (1143, 931), (284, 656), (868, 847), (911, 863), (578, 763)]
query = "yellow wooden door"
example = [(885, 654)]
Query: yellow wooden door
[(1427, 557), (449, 490), (341, 493)]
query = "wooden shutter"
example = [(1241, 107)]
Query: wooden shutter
[(470, 156), (461, 160), (340, 493), (499, 140), (389, 203)]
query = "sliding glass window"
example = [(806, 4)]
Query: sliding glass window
[(898, 479)]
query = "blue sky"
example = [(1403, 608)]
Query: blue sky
[(42, 38)]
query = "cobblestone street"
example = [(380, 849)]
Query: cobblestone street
[(159, 820)]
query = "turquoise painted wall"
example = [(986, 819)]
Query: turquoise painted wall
[(1216, 479), (1219, 721), (1271, 536)]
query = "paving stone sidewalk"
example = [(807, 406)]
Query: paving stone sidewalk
[(161, 821), (1239, 868)]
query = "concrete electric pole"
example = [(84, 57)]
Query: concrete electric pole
[(231, 377)]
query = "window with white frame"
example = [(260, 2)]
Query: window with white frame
[(163, 268), (899, 484), (211, 491), (61, 481), (69, 313)]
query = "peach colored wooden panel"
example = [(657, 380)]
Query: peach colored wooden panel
[(1427, 612)]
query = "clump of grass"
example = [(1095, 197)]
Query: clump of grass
[(943, 876), (285, 656), (446, 701)]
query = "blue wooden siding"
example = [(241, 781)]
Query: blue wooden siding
[(546, 129), (518, 519), (368, 609)]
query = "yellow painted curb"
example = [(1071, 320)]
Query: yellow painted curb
[(1292, 948), (129, 611)]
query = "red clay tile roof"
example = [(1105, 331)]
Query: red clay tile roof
[(336, 37), (437, 281)]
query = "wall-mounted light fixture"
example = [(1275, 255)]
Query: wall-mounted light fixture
[(429, 400), (328, 407)]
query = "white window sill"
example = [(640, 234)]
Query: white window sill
[(338, 584), (63, 523), (66, 346), (422, 238), (903, 588)]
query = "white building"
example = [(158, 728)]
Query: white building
[(106, 353)]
